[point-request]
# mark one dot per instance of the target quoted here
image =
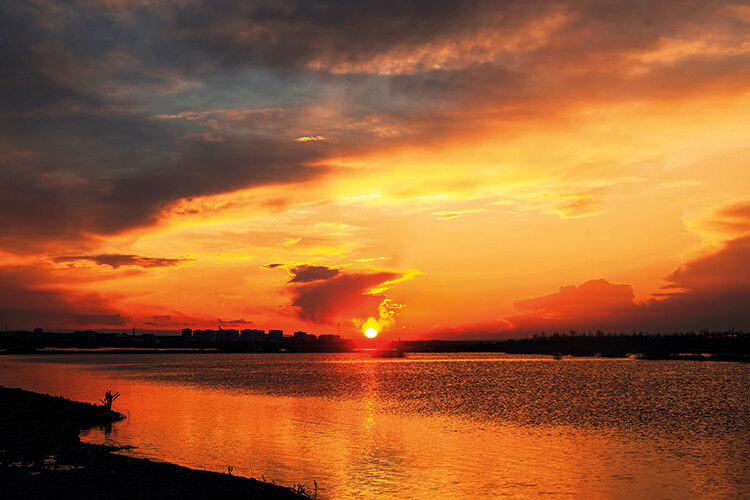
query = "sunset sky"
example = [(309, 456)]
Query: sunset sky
[(432, 169)]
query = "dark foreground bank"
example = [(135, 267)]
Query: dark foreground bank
[(42, 457)]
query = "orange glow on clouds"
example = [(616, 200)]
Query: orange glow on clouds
[(500, 171)]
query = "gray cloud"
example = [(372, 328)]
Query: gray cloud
[(295, 32), (82, 155), (304, 273), (41, 205), (79, 155), (236, 322)]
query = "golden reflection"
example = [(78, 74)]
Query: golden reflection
[(369, 415), (357, 448)]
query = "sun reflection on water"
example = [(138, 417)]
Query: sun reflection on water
[(464, 427)]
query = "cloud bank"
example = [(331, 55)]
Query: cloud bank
[(116, 261)]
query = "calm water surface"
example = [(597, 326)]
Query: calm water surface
[(430, 426)]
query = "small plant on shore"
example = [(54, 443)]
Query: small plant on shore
[(109, 398), (229, 470), (301, 490)]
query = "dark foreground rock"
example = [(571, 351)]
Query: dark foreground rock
[(42, 457)]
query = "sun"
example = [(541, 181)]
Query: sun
[(371, 333)]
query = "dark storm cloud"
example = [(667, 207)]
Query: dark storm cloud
[(82, 155), (46, 203), (304, 274), (293, 33), (550, 56), (119, 260), (209, 167), (24, 84), (81, 55)]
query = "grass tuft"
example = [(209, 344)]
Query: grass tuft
[(109, 398)]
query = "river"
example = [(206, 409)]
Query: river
[(428, 426)]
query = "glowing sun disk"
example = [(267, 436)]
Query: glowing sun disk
[(371, 333)]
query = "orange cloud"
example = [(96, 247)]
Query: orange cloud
[(577, 205), (709, 292), (353, 138), (31, 297), (593, 299), (343, 296)]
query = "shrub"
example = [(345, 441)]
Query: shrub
[(109, 398)]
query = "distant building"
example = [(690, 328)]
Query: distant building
[(329, 338), (227, 335), (187, 333), (304, 337), (252, 336), (87, 334), (275, 335), (204, 335)]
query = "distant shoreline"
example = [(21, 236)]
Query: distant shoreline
[(703, 357), (41, 456), (703, 346), (109, 350)]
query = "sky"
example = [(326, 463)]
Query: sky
[(455, 170)]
